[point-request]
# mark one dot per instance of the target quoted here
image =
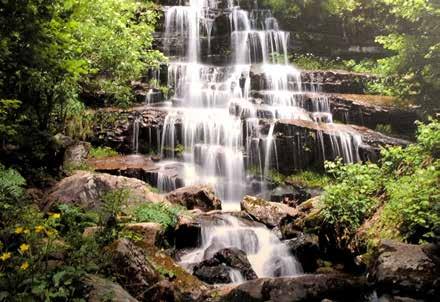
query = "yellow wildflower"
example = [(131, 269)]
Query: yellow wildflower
[(50, 233), (5, 256), (19, 230), (24, 266), (39, 228), (56, 216), (26, 231), (24, 248)]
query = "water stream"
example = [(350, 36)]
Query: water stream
[(220, 125)]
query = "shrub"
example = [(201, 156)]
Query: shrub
[(353, 196), (166, 215), (413, 209)]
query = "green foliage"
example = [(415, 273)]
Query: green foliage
[(101, 152), (166, 215), (384, 128), (354, 194), (8, 118), (405, 184), (413, 209), (11, 184), (276, 177), (428, 137), (57, 54), (76, 120), (309, 179)]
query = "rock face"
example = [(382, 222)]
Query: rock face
[(85, 189), (371, 111), (143, 168), (76, 154), (195, 197), (115, 128), (302, 144), (406, 269), (269, 213), (100, 289), (335, 81), (218, 268), (131, 268), (301, 288)]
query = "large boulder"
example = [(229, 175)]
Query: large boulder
[(100, 289), (302, 288), (195, 197), (407, 269), (269, 213), (130, 266), (85, 189), (218, 269)]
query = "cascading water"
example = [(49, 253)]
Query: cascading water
[(219, 119), (268, 256)]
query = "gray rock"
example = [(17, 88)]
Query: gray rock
[(302, 288), (407, 269), (269, 213), (195, 197), (131, 268), (85, 189), (100, 289)]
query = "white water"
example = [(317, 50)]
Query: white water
[(268, 256), (220, 126)]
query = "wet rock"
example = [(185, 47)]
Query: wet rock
[(269, 213), (130, 266), (187, 233), (114, 128), (213, 273), (151, 233), (238, 260), (195, 197), (100, 289), (305, 247), (302, 288), (310, 144), (218, 268), (85, 189), (406, 269)]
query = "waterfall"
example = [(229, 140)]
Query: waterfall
[(135, 135), (216, 115), (216, 107), (268, 256)]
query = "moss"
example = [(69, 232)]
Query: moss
[(166, 266)]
